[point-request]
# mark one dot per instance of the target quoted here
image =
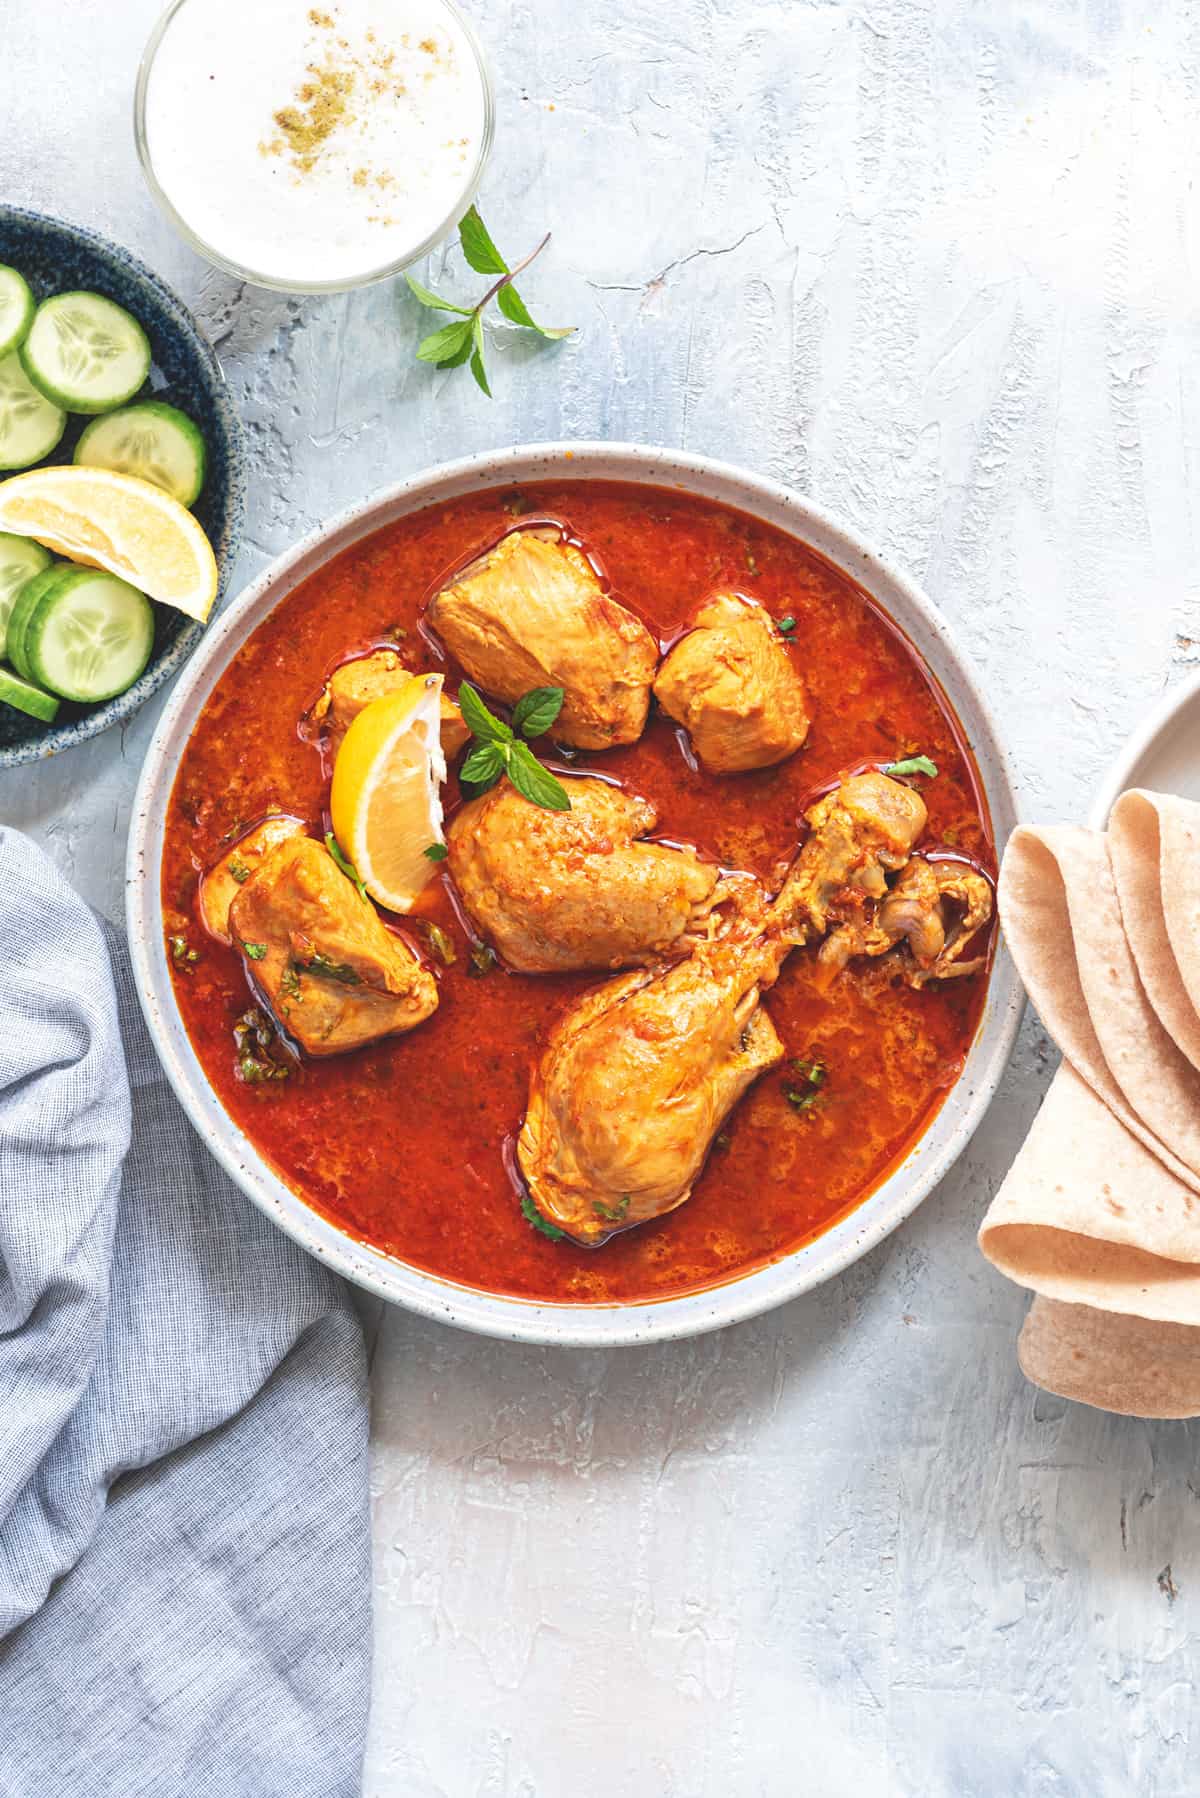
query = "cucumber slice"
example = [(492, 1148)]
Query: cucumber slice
[(24, 606), (26, 697), (85, 352), (17, 307), (152, 440), (88, 636), (20, 559), (30, 424)]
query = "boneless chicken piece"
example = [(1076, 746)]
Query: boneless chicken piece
[(223, 882), (333, 976), (376, 676), (559, 890), (858, 834), (640, 1074), (532, 613), (732, 685)]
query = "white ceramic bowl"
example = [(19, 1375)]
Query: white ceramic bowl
[(519, 1319), (1163, 754)]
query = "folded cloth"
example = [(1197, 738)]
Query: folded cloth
[(184, 1534)]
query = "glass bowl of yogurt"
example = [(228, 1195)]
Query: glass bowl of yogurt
[(313, 148)]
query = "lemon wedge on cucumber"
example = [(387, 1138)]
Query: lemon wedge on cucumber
[(126, 526), (385, 802)]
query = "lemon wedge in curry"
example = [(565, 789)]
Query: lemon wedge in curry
[(119, 523), (386, 800)]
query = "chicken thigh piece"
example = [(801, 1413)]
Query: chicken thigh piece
[(376, 676), (640, 1074), (858, 834), (559, 890), (318, 953), (732, 685), (532, 613)]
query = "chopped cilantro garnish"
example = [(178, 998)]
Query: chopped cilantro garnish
[(912, 764), (532, 1215), (344, 863), (256, 1071), (440, 941), (316, 963), (810, 1078), (254, 1038)]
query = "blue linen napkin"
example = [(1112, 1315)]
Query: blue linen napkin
[(184, 1532)]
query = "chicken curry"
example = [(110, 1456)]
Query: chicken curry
[(704, 944)]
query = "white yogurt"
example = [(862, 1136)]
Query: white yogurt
[(315, 145)]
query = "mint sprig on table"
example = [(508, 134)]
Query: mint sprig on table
[(499, 749), (462, 341)]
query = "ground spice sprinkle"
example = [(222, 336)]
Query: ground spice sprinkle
[(329, 100)]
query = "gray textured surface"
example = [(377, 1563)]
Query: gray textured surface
[(936, 264)]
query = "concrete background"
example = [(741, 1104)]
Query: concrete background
[(936, 264)]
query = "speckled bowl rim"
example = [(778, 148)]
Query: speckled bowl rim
[(522, 1320), (113, 711)]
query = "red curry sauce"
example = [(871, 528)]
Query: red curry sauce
[(403, 1143)]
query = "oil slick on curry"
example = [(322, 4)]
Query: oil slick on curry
[(742, 970)]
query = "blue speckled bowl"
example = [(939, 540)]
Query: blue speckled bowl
[(55, 257)]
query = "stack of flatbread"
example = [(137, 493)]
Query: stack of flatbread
[(1100, 1213)]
